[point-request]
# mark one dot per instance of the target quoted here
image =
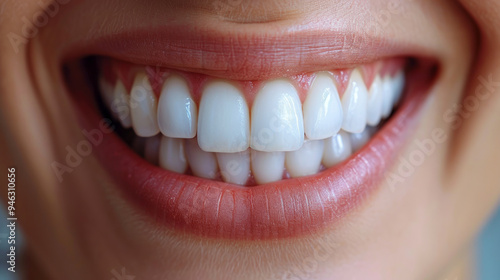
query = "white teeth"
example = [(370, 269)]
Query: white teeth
[(234, 167), (107, 91), (305, 161), (322, 109), (267, 167), (203, 164), (222, 140), (143, 107), (171, 155), (337, 149), (120, 105), (375, 100), (277, 122), (152, 149), (388, 96), (354, 104), (398, 86), (358, 140), (177, 112), (223, 122)]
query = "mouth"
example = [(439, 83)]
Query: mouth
[(277, 157)]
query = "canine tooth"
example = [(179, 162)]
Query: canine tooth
[(171, 155), (120, 105), (354, 104), (223, 121), (203, 164), (277, 121), (337, 149), (305, 161), (177, 112), (234, 167), (152, 149), (387, 96), (267, 166), (358, 140), (322, 109), (143, 107), (398, 87), (374, 113)]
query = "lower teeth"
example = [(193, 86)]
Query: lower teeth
[(250, 167)]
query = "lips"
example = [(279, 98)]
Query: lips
[(281, 209)]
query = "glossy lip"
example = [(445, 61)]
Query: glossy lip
[(242, 55), (288, 208)]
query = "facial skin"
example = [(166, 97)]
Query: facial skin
[(419, 228)]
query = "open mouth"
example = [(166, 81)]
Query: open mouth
[(252, 159), (249, 133)]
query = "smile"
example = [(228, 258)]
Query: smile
[(229, 156)]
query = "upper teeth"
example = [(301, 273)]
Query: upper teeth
[(279, 129)]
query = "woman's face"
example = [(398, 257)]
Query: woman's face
[(305, 163)]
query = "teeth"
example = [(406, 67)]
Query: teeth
[(354, 104), (217, 140), (107, 91), (234, 167), (388, 96), (375, 100), (277, 122), (267, 167), (337, 149), (203, 164), (305, 161), (143, 107), (171, 155), (177, 112), (398, 84), (120, 105), (152, 149), (224, 122), (322, 109), (358, 140)]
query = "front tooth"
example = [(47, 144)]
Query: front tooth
[(234, 167), (223, 122), (203, 164), (322, 109), (152, 149), (143, 107), (177, 112), (267, 167), (305, 161), (358, 140), (120, 105), (354, 104), (387, 96), (277, 122), (375, 100), (337, 149), (171, 155), (398, 86)]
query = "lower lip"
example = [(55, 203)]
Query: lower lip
[(288, 208)]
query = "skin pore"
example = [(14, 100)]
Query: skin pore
[(421, 227)]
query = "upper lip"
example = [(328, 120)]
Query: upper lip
[(243, 56)]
